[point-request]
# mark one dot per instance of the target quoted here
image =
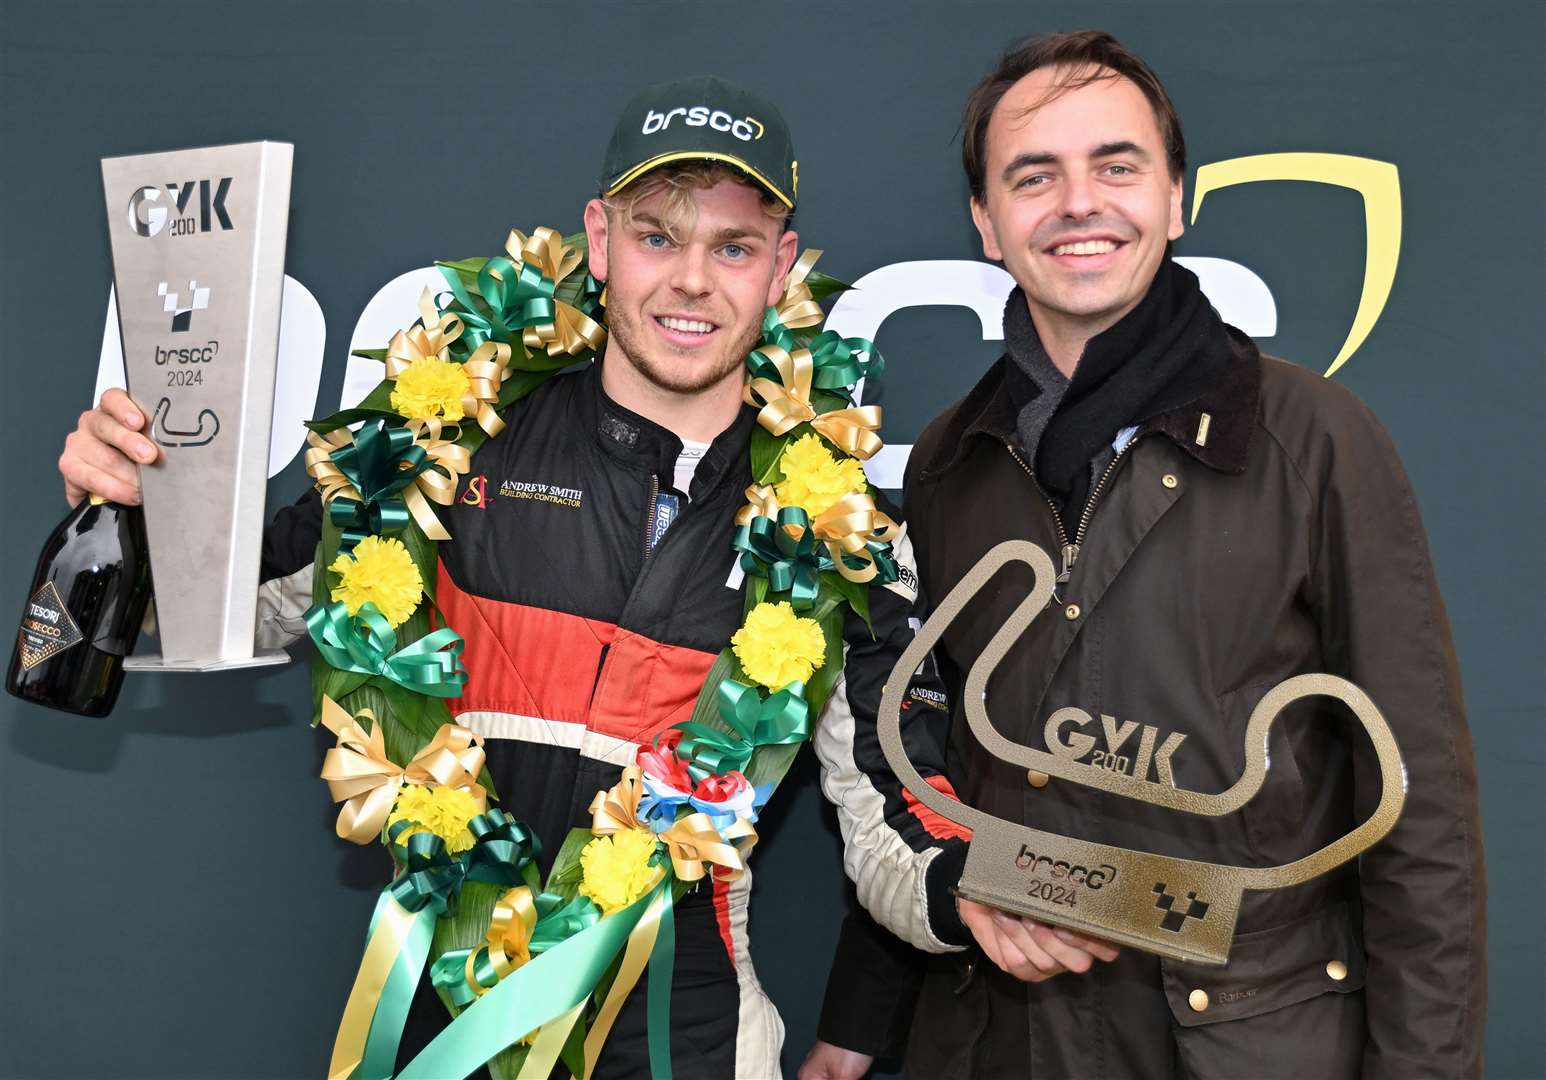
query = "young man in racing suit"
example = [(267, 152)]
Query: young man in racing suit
[(591, 571)]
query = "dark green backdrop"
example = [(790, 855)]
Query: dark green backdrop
[(172, 899)]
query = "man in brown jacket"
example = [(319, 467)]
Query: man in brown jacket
[(1223, 521)]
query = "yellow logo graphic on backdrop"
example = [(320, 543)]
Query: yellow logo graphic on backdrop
[(1380, 186)]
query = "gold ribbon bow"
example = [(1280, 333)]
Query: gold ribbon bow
[(798, 308), (786, 403), (617, 808), (485, 368), (361, 776), (436, 485), (453, 759), (509, 935), (694, 843), (571, 330), (432, 340), (331, 481), (845, 527)]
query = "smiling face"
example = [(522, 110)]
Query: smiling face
[(686, 292), (1078, 202)]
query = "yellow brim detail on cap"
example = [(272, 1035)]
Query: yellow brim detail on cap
[(697, 155)]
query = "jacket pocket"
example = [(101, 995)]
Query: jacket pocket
[(1269, 969), (1274, 819)]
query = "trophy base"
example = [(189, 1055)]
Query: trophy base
[(1115, 935), (155, 662)]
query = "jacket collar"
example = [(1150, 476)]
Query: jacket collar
[(639, 443), (1230, 404)]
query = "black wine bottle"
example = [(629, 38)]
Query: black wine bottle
[(83, 611)]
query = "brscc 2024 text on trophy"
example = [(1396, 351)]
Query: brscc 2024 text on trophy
[(1181, 908)]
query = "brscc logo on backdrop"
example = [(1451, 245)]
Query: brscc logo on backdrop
[(1239, 294)]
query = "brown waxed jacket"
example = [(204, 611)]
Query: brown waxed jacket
[(1277, 537)]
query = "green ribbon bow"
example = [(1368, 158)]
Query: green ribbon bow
[(382, 461), (886, 570), (363, 643), (837, 362), (429, 876), (769, 549), (780, 718), (557, 920), (502, 846), (513, 296), (427, 885)]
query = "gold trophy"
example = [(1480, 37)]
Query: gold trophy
[(1180, 908)]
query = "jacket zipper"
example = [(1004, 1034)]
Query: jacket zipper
[(649, 520), (1071, 550)]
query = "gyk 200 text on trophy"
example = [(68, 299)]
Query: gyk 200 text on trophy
[(198, 243), (1185, 909)]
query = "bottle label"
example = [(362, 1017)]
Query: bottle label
[(46, 628)]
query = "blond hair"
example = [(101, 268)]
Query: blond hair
[(678, 210)]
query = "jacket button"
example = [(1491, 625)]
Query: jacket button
[(1169, 480), (1198, 1000), (1037, 779), (1336, 970), (1071, 612)]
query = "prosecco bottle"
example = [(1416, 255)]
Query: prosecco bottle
[(83, 610)]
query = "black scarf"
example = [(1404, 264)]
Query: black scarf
[(1158, 357)]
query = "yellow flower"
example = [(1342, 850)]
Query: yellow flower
[(616, 869), (777, 647), (431, 387), (381, 572), (443, 811), (813, 478)]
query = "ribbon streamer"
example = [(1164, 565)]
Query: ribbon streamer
[(656, 922), (401, 928), (363, 643), (546, 989)]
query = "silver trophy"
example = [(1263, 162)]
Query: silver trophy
[(198, 241)]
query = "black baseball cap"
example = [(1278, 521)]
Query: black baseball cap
[(702, 119)]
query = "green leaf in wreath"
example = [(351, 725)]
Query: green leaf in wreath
[(768, 449), (855, 594), (824, 285), (564, 877), (819, 687)]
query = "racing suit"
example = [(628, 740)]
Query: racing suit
[(589, 630)]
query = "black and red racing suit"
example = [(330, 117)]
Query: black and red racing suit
[(584, 641)]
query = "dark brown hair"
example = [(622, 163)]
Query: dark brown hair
[(1084, 53)]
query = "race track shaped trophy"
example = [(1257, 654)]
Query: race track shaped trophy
[(1172, 907), (198, 241)]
